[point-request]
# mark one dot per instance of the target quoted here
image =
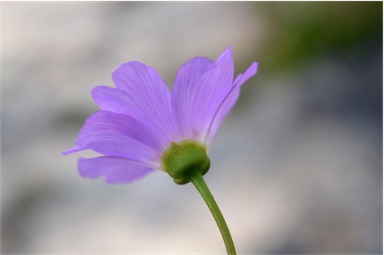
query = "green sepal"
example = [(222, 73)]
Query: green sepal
[(183, 158)]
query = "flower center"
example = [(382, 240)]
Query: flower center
[(183, 158)]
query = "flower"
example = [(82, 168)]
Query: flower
[(141, 125)]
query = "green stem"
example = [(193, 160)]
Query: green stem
[(198, 180)]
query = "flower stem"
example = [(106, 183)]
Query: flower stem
[(198, 180)]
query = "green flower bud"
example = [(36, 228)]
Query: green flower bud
[(183, 158)]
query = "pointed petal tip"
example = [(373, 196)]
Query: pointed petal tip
[(229, 49), (251, 71), (227, 52), (71, 150), (255, 65)]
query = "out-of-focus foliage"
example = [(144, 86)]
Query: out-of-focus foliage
[(302, 32)]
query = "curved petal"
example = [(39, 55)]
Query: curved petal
[(185, 89), (200, 87), (117, 135), (113, 100), (114, 170), (242, 78), (117, 101), (147, 96), (228, 102)]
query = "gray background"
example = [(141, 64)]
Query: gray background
[(296, 167)]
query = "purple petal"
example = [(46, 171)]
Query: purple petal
[(114, 100), (228, 102), (147, 98), (118, 135), (117, 101), (251, 71), (187, 79), (200, 87), (114, 170)]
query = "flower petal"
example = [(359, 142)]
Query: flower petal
[(117, 101), (147, 97), (200, 87), (228, 102), (118, 135), (114, 170), (114, 100), (242, 78), (183, 95)]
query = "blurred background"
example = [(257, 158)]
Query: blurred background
[(296, 167)]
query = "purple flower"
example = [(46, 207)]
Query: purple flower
[(141, 118)]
